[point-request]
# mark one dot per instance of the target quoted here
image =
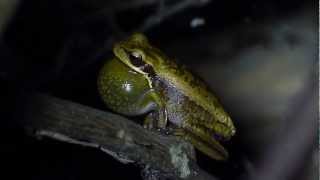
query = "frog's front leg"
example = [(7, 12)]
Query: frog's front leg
[(157, 117)]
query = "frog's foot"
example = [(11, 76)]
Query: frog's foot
[(166, 131), (207, 147), (149, 121), (162, 118), (149, 124), (157, 120)]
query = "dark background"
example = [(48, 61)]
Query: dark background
[(260, 58)]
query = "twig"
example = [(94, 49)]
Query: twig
[(165, 12), (119, 137)]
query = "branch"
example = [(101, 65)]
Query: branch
[(164, 12), (119, 137)]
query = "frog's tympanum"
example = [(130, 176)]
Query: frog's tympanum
[(141, 80)]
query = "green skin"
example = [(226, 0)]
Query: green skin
[(142, 80), (124, 90)]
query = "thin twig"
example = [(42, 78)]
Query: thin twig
[(166, 12)]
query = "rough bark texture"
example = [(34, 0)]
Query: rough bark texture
[(160, 156)]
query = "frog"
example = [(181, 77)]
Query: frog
[(141, 80)]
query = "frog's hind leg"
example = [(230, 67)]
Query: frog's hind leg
[(211, 148)]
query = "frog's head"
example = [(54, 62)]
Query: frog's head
[(138, 54)]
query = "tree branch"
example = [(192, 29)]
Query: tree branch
[(119, 137)]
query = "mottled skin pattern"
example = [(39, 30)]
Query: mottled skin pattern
[(175, 94)]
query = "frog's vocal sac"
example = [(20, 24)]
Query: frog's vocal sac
[(141, 80)]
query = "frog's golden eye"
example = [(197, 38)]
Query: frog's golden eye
[(136, 59)]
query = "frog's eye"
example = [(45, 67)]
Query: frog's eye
[(136, 59)]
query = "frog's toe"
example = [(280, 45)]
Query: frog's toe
[(148, 122), (147, 126), (166, 131)]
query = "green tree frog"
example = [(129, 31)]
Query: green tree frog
[(141, 80)]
